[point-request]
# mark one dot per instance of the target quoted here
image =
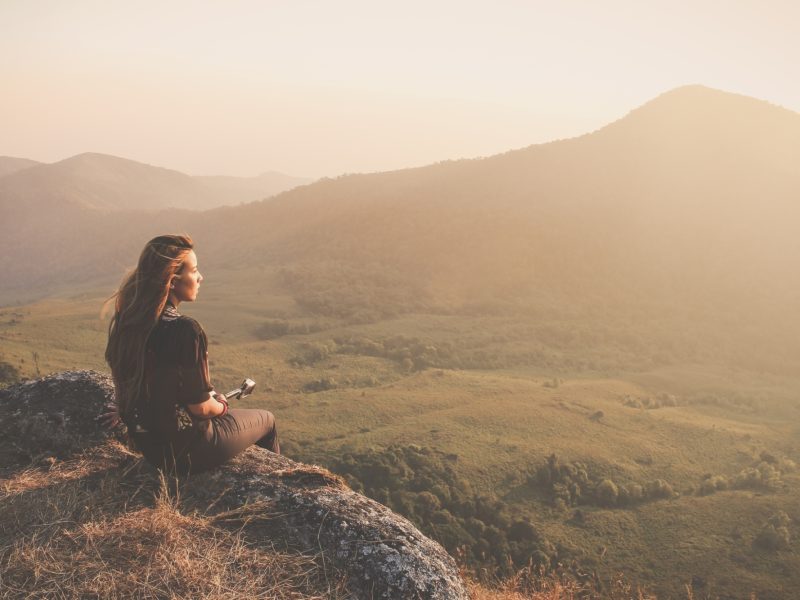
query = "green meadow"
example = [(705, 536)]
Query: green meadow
[(594, 449)]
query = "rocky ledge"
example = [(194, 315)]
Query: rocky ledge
[(306, 508)]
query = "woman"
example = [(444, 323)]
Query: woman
[(159, 363)]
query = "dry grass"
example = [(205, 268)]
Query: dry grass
[(552, 589), (82, 529), (533, 584), (530, 585), (106, 526)]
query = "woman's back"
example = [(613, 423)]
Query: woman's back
[(176, 375), (159, 361)]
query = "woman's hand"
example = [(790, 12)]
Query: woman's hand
[(109, 419)]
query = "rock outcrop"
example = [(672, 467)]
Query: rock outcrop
[(304, 507)]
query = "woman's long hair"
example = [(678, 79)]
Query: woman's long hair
[(137, 308)]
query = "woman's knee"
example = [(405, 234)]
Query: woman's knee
[(269, 418), (242, 427), (247, 418), (270, 438)]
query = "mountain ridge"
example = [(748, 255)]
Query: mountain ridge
[(96, 181), (12, 164), (639, 204)]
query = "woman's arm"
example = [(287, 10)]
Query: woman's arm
[(210, 407)]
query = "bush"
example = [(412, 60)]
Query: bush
[(635, 493), (320, 385), (427, 503), (8, 372), (762, 476), (659, 489), (569, 484), (775, 534), (421, 484), (711, 484), (313, 353), (523, 531), (779, 519), (272, 329), (607, 493)]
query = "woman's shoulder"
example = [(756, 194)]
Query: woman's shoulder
[(188, 330), (178, 328), (186, 323), (179, 340)]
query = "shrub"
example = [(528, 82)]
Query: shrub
[(665, 399), (8, 372), (427, 503), (523, 531), (320, 385), (632, 402), (779, 519), (624, 496), (313, 353), (569, 484), (421, 484), (606, 492), (272, 329), (763, 475), (711, 484), (775, 534), (596, 416), (635, 493), (659, 489)]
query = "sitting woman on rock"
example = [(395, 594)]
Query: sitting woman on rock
[(159, 363)]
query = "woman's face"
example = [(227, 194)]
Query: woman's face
[(187, 282)]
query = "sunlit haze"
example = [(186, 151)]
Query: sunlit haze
[(319, 88), (571, 364)]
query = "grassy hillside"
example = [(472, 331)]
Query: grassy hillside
[(137, 535), (484, 433)]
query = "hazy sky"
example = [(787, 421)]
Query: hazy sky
[(322, 88)]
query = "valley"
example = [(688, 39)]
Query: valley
[(465, 436)]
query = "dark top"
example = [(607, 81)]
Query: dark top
[(176, 374)]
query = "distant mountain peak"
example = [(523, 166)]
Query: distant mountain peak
[(98, 158), (696, 89), (700, 98), (93, 180), (697, 115)]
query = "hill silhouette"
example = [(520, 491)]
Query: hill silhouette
[(11, 164), (686, 200), (104, 182), (83, 217), (688, 197)]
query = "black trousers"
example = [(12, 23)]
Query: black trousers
[(220, 440)]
